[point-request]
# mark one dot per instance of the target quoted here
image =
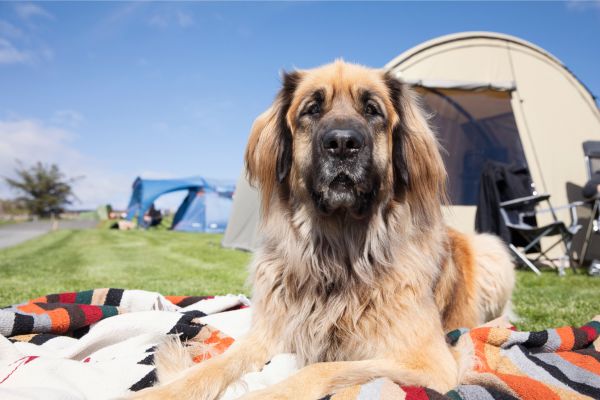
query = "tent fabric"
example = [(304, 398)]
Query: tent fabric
[(183, 207), (243, 228), (146, 191), (552, 110), (208, 214), (203, 212), (440, 84)]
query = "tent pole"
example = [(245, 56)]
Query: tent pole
[(524, 118)]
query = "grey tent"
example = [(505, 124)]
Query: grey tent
[(498, 97), (242, 229)]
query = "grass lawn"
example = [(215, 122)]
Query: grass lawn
[(169, 262), (187, 263)]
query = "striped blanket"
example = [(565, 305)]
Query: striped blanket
[(562, 363), (99, 344), (73, 313)]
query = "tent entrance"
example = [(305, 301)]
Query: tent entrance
[(473, 126)]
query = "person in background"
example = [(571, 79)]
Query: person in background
[(153, 216)]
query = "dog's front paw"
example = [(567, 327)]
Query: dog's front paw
[(179, 390), (152, 393), (265, 394), (205, 381)]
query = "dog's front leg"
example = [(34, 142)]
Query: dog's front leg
[(209, 379), (318, 380)]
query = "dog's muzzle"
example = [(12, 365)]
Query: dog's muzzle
[(343, 180)]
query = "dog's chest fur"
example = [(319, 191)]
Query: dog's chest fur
[(334, 300)]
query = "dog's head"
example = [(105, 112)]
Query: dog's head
[(346, 139)]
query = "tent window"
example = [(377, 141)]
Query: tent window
[(473, 127)]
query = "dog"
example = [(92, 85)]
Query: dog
[(358, 274)]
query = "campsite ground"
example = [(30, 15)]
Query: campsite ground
[(185, 264)]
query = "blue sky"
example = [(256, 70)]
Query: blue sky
[(115, 90)]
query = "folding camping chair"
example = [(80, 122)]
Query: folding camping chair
[(586, 243), (507, 207), (591, 152), (519, 217)]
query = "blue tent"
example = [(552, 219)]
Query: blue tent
[(203, 212), (205, 208)]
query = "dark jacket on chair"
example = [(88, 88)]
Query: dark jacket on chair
[(501, 182)]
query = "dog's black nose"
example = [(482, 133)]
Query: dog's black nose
[(343, 142)]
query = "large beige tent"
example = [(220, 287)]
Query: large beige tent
[(491, 96), (504, 80)]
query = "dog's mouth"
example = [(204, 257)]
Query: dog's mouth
[(343, 183), (344, 194)]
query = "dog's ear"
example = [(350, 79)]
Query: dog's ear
[(269, 150), (419, 172), (400, 167)]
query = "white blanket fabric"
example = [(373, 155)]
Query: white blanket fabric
[(116, 354)]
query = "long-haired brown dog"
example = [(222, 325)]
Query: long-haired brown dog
[(358, 273)]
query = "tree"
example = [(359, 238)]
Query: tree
[(45, 189)]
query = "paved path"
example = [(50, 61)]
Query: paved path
[(13, 234)]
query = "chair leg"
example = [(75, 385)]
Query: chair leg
[(588, 233), (524, 259), (568, 244)]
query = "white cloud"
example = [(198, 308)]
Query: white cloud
[(9, 54), (583, 5), (22, 44), (158, 21), (9, 30), (31, 141), (29, 10), (183, 19), (123, 12), (171, 17), (68, 118)]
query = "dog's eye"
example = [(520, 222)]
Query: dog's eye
[(313, 108), (371, 109)]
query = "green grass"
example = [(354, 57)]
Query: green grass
[(164, 261), (551, 301), (195, 264)]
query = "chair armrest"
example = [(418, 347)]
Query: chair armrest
[(524, 201), (572, 207)]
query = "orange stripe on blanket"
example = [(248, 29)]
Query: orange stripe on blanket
[(527, 388), (175, 299), (492, 361), (567, 339), (218, 342), (42, 299), (582, 361), (60, 320), (479, 337), (31, 308), (214, 345)]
